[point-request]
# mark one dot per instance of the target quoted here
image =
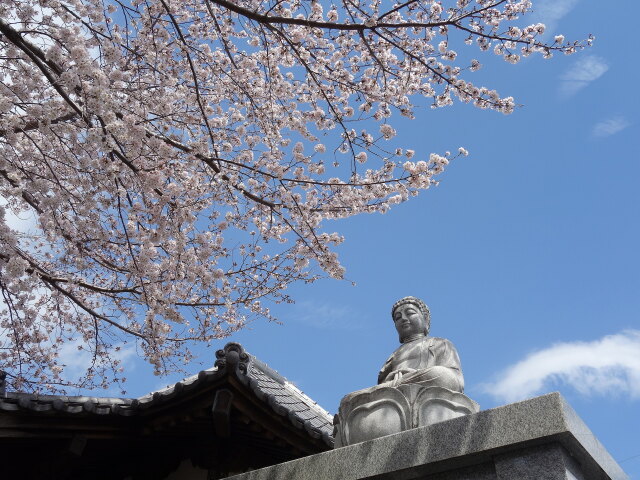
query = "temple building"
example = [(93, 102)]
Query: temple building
[(241, 420), (238, 416)]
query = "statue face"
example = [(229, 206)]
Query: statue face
[(408, 320)]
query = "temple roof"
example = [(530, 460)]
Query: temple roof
[(236, 416), (284, 398)]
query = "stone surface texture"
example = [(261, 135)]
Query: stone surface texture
[(541, 438), (420, 384)]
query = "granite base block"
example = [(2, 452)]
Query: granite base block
[(541, 438)]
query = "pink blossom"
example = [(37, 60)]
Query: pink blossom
[(163, 158)]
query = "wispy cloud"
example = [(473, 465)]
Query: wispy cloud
[(550, 12), (584, 71), (610, 126), (608, 366), (76, 361), (24, 222), (323, 315)]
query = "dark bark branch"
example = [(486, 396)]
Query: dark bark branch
[(35, 124), (271, 19), (35, 55)]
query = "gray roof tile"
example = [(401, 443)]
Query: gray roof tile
[(267, 384)]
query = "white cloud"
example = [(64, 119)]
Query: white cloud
[(327, 316), (77, 361), (608, 366), (24, 222), (610, 126), (550, 12), (584, 71)]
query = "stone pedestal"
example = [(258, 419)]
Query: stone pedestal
[(537, 439)]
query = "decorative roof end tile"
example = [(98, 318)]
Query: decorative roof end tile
[(233, 357)]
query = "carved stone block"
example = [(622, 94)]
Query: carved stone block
[(384, 411)]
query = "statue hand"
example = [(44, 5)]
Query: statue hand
[(396, 376)]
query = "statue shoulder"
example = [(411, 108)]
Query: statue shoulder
[(445, 352), (441, 341)]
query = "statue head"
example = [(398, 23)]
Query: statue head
[(411, 318)]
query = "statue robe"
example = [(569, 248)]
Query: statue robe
[(428, 361)]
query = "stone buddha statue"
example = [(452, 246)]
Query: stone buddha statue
[(420, 384), (423, 360)]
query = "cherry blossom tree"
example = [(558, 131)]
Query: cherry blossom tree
[(180, 157)]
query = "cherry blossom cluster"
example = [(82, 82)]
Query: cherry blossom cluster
[(174, 155)]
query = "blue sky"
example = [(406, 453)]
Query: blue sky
[(527, 252)]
